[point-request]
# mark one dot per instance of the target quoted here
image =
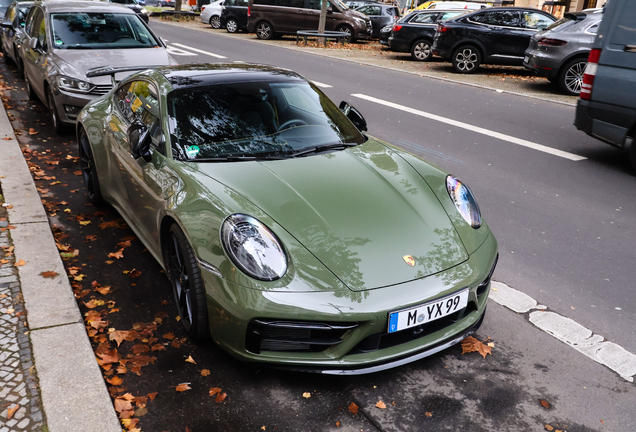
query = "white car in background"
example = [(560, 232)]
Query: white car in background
[(458, 5), (211, 13)]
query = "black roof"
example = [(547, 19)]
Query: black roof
[(196, 75)]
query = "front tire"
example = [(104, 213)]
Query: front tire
[(187, 284), (264, 31), (87, 166), (30, 93), (421, 50), (58, 126), (571, 76), (232, 26), (466, 59), (215, 22)]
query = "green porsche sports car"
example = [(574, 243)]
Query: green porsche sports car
[(289, 236)]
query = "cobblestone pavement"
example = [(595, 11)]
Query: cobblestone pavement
[(20, 406)]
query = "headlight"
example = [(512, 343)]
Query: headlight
[(74, 85), (464, 200), (253, 248)]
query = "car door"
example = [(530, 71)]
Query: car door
[(147, 183), (503, 35), (35, 59), (288, 16)]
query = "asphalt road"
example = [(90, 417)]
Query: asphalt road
[(564, 232)]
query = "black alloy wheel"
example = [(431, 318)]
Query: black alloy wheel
[(571, 76), (87, 166), (466, 59), (215, 21), (346, 29), (58, 126), (187, 284), (231, 26), (421, 50), (264, 30)]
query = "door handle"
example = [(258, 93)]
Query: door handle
[(630, 48)]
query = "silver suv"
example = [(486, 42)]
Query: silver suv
[(560, 52)]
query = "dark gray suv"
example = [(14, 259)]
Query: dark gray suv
[(560, 52)]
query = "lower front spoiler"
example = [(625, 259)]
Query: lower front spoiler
[(395, 362)]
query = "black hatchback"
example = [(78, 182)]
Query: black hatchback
[(416, 31), (234, 15), (495, 36)]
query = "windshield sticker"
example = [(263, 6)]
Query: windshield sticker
[(192, 151)]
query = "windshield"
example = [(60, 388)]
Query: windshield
[(340, 5), (100, 31), (255, 119)]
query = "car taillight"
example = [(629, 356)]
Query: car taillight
[(441, 28), (397, 27), (551, 42), (589, 74), (203, 8), (249, 11)]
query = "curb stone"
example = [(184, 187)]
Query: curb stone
[(73, 394)]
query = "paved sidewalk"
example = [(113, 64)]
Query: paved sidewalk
[(49, 377)]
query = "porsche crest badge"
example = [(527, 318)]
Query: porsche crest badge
[(409, 260)]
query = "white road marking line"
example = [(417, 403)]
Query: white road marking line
[(568, 331), (487, 132), (196, 50), (321, 85), (178, 52)]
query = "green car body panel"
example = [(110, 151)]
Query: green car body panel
[(346, 219)]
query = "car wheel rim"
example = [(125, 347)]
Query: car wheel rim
[(422, 51), (215, 22), (466, 59), (345, 30), (574, 77), (263, 31), (180, 282), (86, 165), (231, 26)]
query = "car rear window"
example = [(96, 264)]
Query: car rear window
[(562, 24)]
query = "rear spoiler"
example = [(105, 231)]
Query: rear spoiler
[(110, 70)]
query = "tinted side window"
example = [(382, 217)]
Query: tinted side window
[(313, 4), (534, 20), (425, 18), (499, 18), (10, 13), (35, 14), (291, 3), (480, 18)]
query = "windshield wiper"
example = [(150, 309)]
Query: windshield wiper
[(321, 148), (235, 158)]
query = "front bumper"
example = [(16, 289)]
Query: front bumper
[(236, 314), (70, 104)]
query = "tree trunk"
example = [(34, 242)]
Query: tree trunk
[(323, 20), (177, 5)]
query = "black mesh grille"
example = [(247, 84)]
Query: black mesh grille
[(294, 336), (101, 89)]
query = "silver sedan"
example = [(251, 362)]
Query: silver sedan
[(76, 50)]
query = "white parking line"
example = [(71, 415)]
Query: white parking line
[(568, 331), (178, 52), (196, 50), (321, 85), (487, 132)]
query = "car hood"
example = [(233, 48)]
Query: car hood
[(360, 212), (75, 63)]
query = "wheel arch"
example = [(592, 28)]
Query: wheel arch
[(568, 59)]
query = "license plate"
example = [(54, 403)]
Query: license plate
[(526, 59), (427, 312)]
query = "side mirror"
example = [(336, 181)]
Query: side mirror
[(329, 9), (8, 24), (139, 140), (353, 115), (34, 43)]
